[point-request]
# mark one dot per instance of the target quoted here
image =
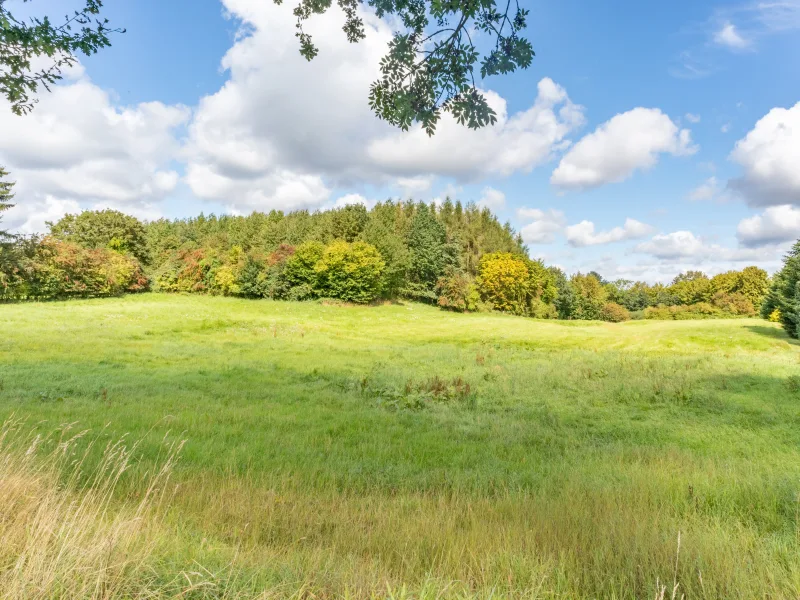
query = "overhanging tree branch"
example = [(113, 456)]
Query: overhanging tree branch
[(417, 90), (22, 42)]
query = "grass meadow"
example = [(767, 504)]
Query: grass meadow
[(163, 446)]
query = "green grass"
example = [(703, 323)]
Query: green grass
[(336, 451)]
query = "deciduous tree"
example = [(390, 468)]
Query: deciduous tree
[(104, 229)]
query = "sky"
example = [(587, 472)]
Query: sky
[(646, 138)]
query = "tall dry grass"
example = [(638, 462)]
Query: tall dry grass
[(63, 533)]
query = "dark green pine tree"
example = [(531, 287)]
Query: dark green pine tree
[(430, 254), (784, 293), (6, 196)]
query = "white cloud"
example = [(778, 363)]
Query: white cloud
[(411, 186), (515, 143), (629, 141), (777, 224), (708, 190), (757, 18), (78, 149), (544, 226), (583, 234), (450, 191), (692, 118), (38, 211), (725, 128), (770, 157), (492, 199), (673, 245), (353, 199), (685, 246), (280, 118), (727, 35)]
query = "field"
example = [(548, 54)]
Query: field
[(404, 452)]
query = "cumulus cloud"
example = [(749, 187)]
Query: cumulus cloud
[(583, 234), (353, 199), (280, 118), (492, 199), (770, 157), (412, 186), (628, 142), (79, 149), (544, 225), (775, 225), (728, 35), (686, 246), (38, 211), (515, 143)]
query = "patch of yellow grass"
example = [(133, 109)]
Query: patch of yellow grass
[(62, 535)]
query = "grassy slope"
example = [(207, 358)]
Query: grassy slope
[(588, 448)]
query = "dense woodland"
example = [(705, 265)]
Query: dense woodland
[(458, 257)]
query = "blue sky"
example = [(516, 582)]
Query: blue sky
[(645, 139)]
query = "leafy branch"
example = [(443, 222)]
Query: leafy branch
[(424, 75), (22, 42)]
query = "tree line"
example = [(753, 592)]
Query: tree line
[(461, 258)]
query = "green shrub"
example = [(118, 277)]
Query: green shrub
[(541, 310), (590, 297), (300, 269), (50, 268), (457, 292), (351, 272), (515, 284), (700, 310), (264, 276), (736, 303), (615, 313), (503, 280), (186, 270)]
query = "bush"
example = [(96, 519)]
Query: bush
[(264, 276), (541, 310), (615, 313), (700, 310), (457, 292), (736, 304), (351, 272), (50, 268), (503, 281), (300, 266), (775, 316), (590, 297), (515, 284), (185, 270)]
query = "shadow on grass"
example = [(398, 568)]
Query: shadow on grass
[(773, 332)]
